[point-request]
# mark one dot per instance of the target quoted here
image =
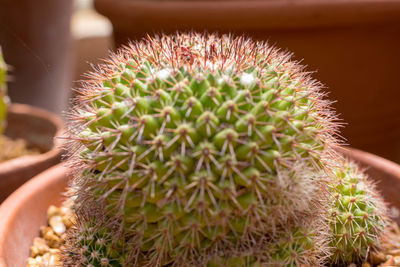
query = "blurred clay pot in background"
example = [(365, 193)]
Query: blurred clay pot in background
[(353, 45), (38, 128), (36, 41), (22, 214)]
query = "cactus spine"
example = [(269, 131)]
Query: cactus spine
[(201, 150), (358, 214), (90, 245), (304, 245)]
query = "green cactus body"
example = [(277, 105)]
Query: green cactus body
[(92, 245), (357, 215), (3, 93), (234, 262), (197, 145), (300, 246)]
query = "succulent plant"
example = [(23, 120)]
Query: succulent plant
[(202, 150), (302, 245), (357, 214), (90, 245), (3, 93)]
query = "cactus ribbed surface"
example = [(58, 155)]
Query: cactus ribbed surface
[(91, 245), (303, 245), (358, 214), (202, 150)]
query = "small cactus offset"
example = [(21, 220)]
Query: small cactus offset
[(202, 150), (91, 245), (3, 93), (357, 214), (304, 245)]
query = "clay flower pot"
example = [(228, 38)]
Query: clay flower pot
[(38, 127), (22, 214), (37, 44), (353, 45)]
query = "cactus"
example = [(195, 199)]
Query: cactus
[(198, 150), (90, 245), (233, 261), (358, 214), (3, 93), (304, 245)]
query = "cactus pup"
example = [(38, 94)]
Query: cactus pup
[(357, 214)]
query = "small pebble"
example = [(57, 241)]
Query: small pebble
[(377, 257), (52, 239), (46, 248), (53, 211), (39, 247), (389, 262), (57, 224)]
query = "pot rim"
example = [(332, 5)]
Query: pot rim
[(23, 161), (10, 207), (371, 160), (254, 14)]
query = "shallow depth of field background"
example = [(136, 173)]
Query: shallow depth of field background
[(352, 48)]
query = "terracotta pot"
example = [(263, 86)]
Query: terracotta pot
[(353, 44), (38, 127), (36, 41), (22, 214), (385, 172)]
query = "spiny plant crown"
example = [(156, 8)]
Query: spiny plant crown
[(196, 144), (93, 245), (301, 245), (357, 214)]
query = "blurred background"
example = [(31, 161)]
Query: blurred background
[(352, 46)]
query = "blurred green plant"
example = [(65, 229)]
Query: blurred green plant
[(4, 100)]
